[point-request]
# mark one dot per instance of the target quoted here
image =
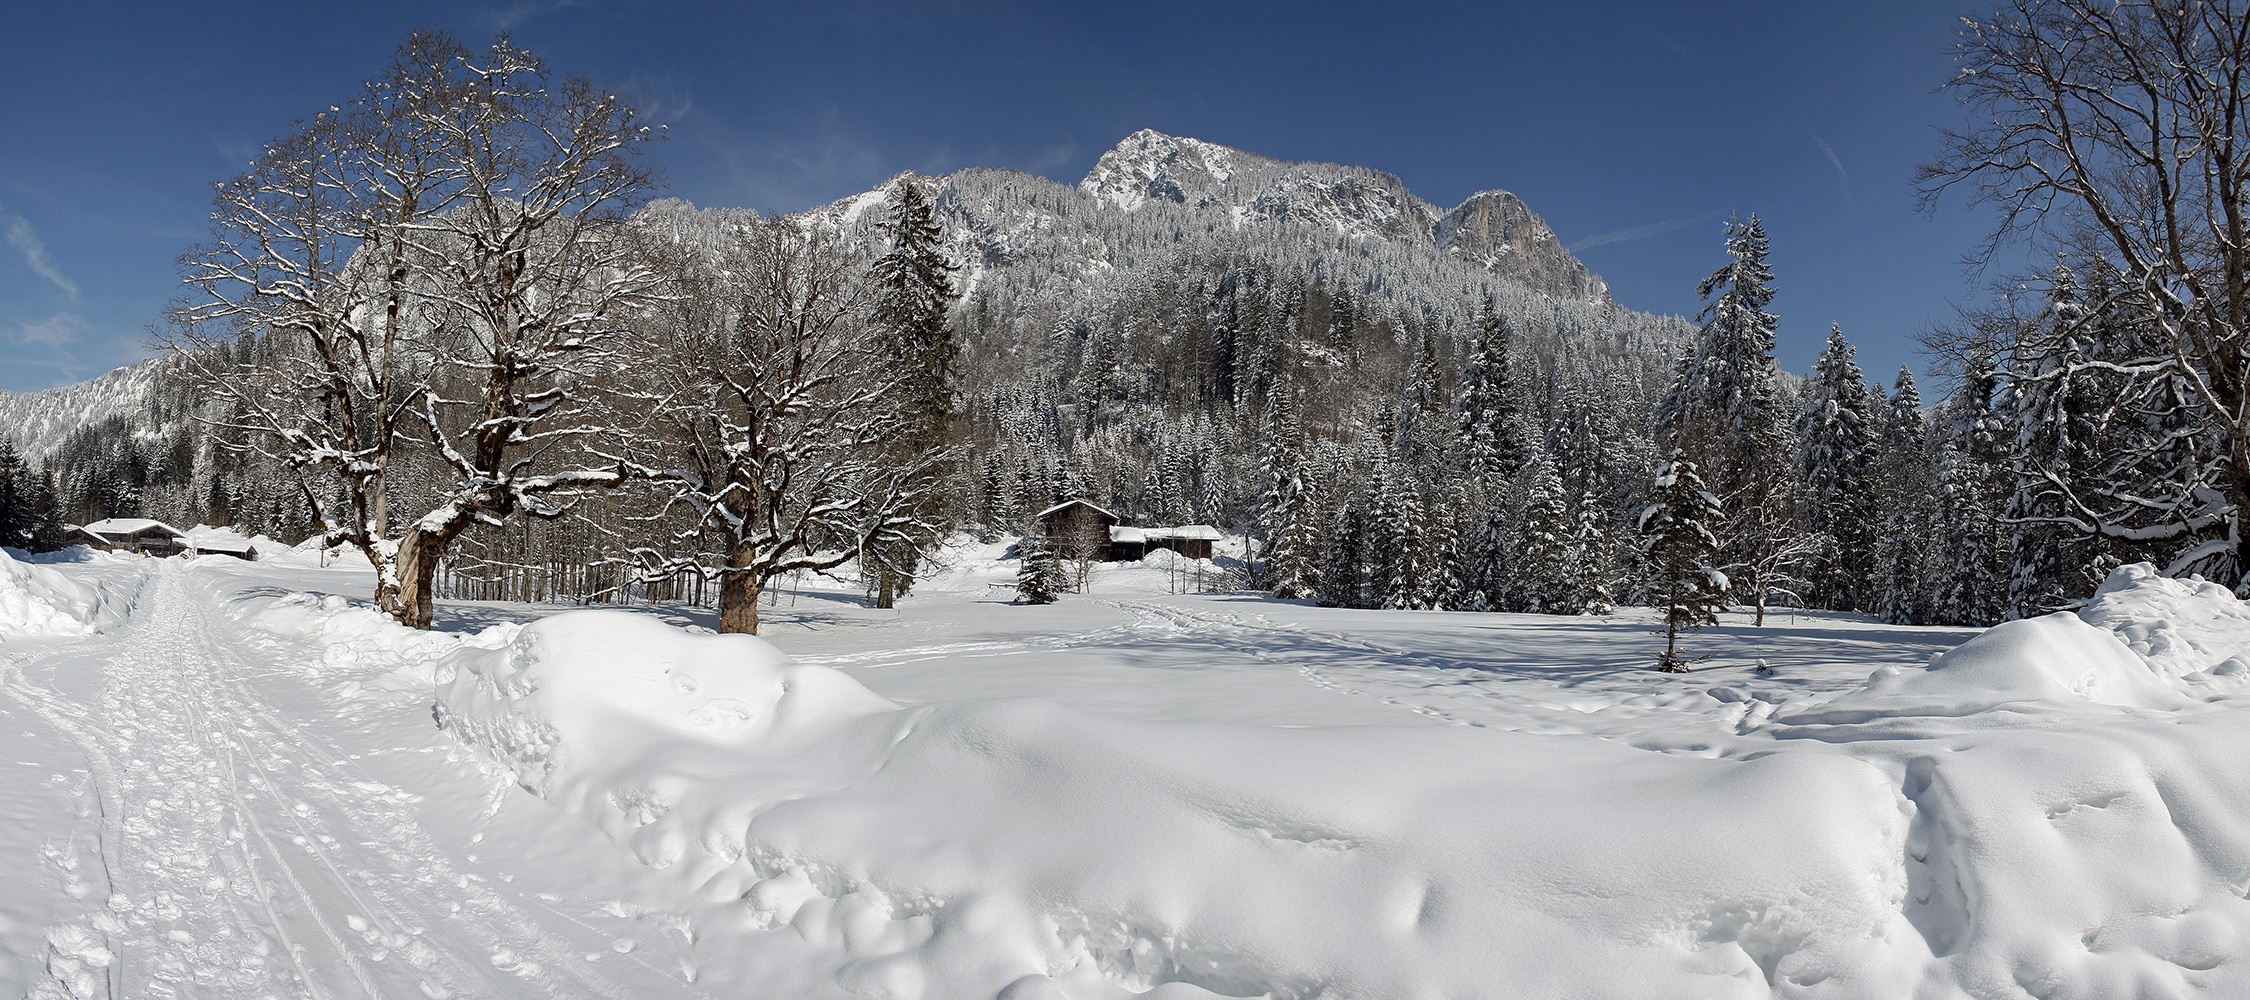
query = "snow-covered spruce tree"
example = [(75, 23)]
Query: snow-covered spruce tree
[(1972, 486), (436, 256), (1294, 562), (1401, 536), (1906, 487), (1836, 453), (913, 294), (1721, 411), (1440, 585), (1544, 574), (1681, 553), (1039, 572), (1344, 576), (1487, 569), (773, 420), (1487, 412), (18, 523), (1591, 558)]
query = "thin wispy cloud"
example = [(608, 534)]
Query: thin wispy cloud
[(19, 234), (1843, 178), (55, 332), (1644, 232), (661, 99), (509, 17)]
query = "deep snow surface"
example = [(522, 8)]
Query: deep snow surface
[(232, 786)]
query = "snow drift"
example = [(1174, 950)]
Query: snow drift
[(36, 601), (2045, 810)]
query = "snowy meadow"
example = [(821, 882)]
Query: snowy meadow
[(230, 785)]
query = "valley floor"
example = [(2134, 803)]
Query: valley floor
[(232, 780)]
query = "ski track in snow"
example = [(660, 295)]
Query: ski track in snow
[(237, 854)]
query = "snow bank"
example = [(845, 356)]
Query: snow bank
[(823, 842), (38, 601), (360, 645), (2045, 811), (2187, 630), (2036, 665)]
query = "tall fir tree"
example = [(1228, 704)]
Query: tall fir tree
[(1590, 558), (1681, 553), (1836, 454), (1722, 411), (1489, 432), (913, 294), (1906, 483), (1970, 586), (1543, 573)]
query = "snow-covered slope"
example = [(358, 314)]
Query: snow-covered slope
[(39, 421)]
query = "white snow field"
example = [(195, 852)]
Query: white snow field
[(234, 780)]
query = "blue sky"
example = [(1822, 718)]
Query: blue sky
[(1635, 129)]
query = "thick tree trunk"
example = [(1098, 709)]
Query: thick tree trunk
[(738, 596), (419, 554)]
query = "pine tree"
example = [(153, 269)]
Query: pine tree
[(1039, 571), (1590, 559), (1836, 454), (16, 517), (1543, 581), (1681, 551), (1294, 563), (1344, 571), (1971, 583), (913, 293), (1906, 484), (1722, 411), (1487, 414)]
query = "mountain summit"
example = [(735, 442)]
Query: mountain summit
[(1494, 230)]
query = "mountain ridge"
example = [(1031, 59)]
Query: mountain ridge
[(1493, 229)]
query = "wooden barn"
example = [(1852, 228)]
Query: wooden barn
[(135, 534), (1076, 526)]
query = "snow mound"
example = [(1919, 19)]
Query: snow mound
[(36, 601), (820, 841), (2034, 666), (360, 646), (2187, 630), (612, 687)]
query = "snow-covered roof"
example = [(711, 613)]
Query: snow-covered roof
[(109, 526), (1042, 515), (220, 544), (1187, 532), (1121, 533)]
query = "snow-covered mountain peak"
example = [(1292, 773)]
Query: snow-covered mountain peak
[(1493, 229), (1151, 166)]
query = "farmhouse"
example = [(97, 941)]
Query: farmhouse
[(1075, 526), (135, 534), (155, 538)]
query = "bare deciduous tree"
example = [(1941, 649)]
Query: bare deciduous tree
[(773, 413), (436, 260), (2122, 131)]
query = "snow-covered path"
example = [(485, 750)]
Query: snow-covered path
[(231, 840)]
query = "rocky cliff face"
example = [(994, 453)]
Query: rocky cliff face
[(1494, 230), (1498, 232)]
